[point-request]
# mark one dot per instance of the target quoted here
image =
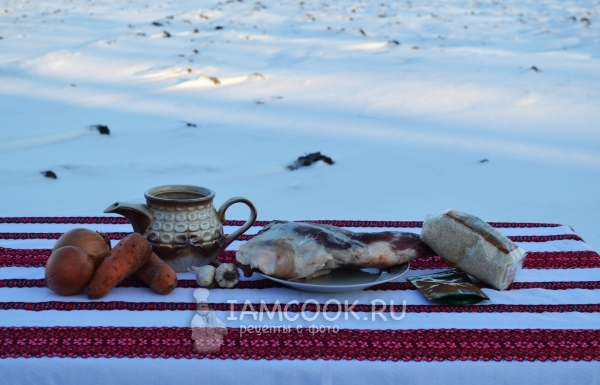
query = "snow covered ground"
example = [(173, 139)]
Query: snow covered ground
[(491, 107)]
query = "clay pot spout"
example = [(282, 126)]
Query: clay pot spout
[(138, 214)]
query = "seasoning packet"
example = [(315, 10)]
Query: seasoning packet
[(452, 287)]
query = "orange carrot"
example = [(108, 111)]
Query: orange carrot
[(158, 275), (131, 253)]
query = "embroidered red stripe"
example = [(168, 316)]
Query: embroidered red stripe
[(267, 284), (520, 238), (347, 344), (66, 220), (341, 223), (398, 308), (533, 260), (246, 237), (111, 235)]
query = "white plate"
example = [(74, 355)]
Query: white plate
[(344, 280)]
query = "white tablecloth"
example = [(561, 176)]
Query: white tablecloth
[(545, 328)]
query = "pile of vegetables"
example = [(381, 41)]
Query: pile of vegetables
[(83, 258)]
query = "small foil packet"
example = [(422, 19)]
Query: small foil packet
[(452, 287)]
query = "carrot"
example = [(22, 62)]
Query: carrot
[(158, 275), (131, 253)]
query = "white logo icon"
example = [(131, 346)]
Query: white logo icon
[(207, 329)]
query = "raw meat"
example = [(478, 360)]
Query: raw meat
[(293, 250)]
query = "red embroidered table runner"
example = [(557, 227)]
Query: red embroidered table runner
[(550, 314)]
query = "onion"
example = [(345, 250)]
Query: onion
[(69, 270), (96, 244)]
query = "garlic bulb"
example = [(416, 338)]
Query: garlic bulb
[(205, 275), (227, 275)]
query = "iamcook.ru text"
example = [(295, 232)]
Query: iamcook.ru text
[(378, 307)]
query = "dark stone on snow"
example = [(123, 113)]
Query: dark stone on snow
[(307, 160)]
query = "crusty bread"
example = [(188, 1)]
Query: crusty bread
[(473, 246)]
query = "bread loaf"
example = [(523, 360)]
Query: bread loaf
[(473, 246)]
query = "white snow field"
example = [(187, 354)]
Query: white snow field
[(490, 107)]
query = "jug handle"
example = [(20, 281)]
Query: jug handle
[(221, 217)]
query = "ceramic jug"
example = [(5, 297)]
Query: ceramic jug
[(182, 224)]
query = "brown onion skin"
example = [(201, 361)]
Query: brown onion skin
[(69, 270), (95, 243)]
